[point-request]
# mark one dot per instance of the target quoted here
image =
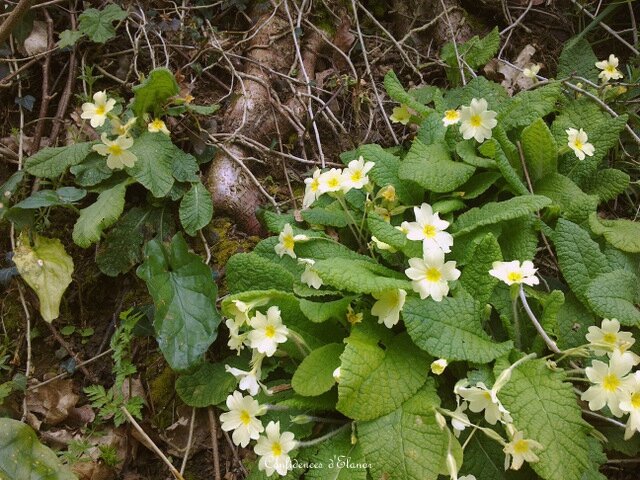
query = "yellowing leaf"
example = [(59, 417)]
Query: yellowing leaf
[(47, 268)]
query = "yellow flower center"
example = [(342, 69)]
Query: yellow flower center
[(515, 277), (115, 150), (451, 115), (578, 144), (270, 331), (475, 120), (276, 449), (611, 338), (245, 418), (429, 231), (486, 395), (611, 382), (100, 109), (288, 242), (520, 447), (333, 182), (433, 274), (157, 124), (356, 176), (315, 185), (610, 69), (635, 400)]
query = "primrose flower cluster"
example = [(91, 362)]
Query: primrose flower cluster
[(613, 384), (336, 181), (263, 333), (476, 120), (117, 151)]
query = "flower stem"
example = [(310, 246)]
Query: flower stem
[(315, 441), (547, 339)]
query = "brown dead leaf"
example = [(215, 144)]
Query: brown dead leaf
[(37, 41), (176, 436), (53, 401), (513, 79), (343, 39)]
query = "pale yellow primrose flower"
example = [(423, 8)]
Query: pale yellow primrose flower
[(157, 125), (451, 117), (388, 306), (439, 366), (578, 141), (608, 337), (512, 272), (609, 69), (481, 398), (430, 275), (401, 114), (609, 383), (531, 71), (355, 175), (236, 339), (477, 121), (630, 403), (273, 449), (520, 449), (312, 189), (116, 151), (310, 277), (242, 418), (96, 112), (429, 229), (331, 181), (118, 128), (268, 331), (380, 245), (287, 241)]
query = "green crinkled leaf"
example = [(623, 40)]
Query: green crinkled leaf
[(359, 276), (196, 209), (478, 87), (275, 222), (407, 443), (544, 408), (100, 215), (494, 212), (332, 216), (573, 322), (484, 458), (432, 130), (184, 294), (249, 271), (523, 108), (622, 234), (522, 240), (577, 58), (540, 150), (91, 171), (23, 457), (575, 205), (322, 403), (153, 93), (466, 150), (185, 167), (378, 375), (475, 278), (451, 329), (98, 24), (475, 52), (579, 257), (332, 456), (606, 184), (46, 267), (69, 38), (448, 205), (385, 172), (154, 166), (614, 295), (431, 167), (477, 185), (208, 385), (319, 312), (396, 91), (51, 162), (314, 376), (50, 198)]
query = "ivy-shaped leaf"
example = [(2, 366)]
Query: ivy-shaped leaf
[(98, 24), (184, 294)]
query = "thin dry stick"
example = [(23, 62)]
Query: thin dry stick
[(213, 430), (14, 17), (234, 451), (453, 40), (370, 74), (189, 441), (70, 351), (64, 374), (153, 446), (607, 28), (27, 316), (44, 102)]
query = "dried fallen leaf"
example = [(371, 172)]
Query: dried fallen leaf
[(53, 401)]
